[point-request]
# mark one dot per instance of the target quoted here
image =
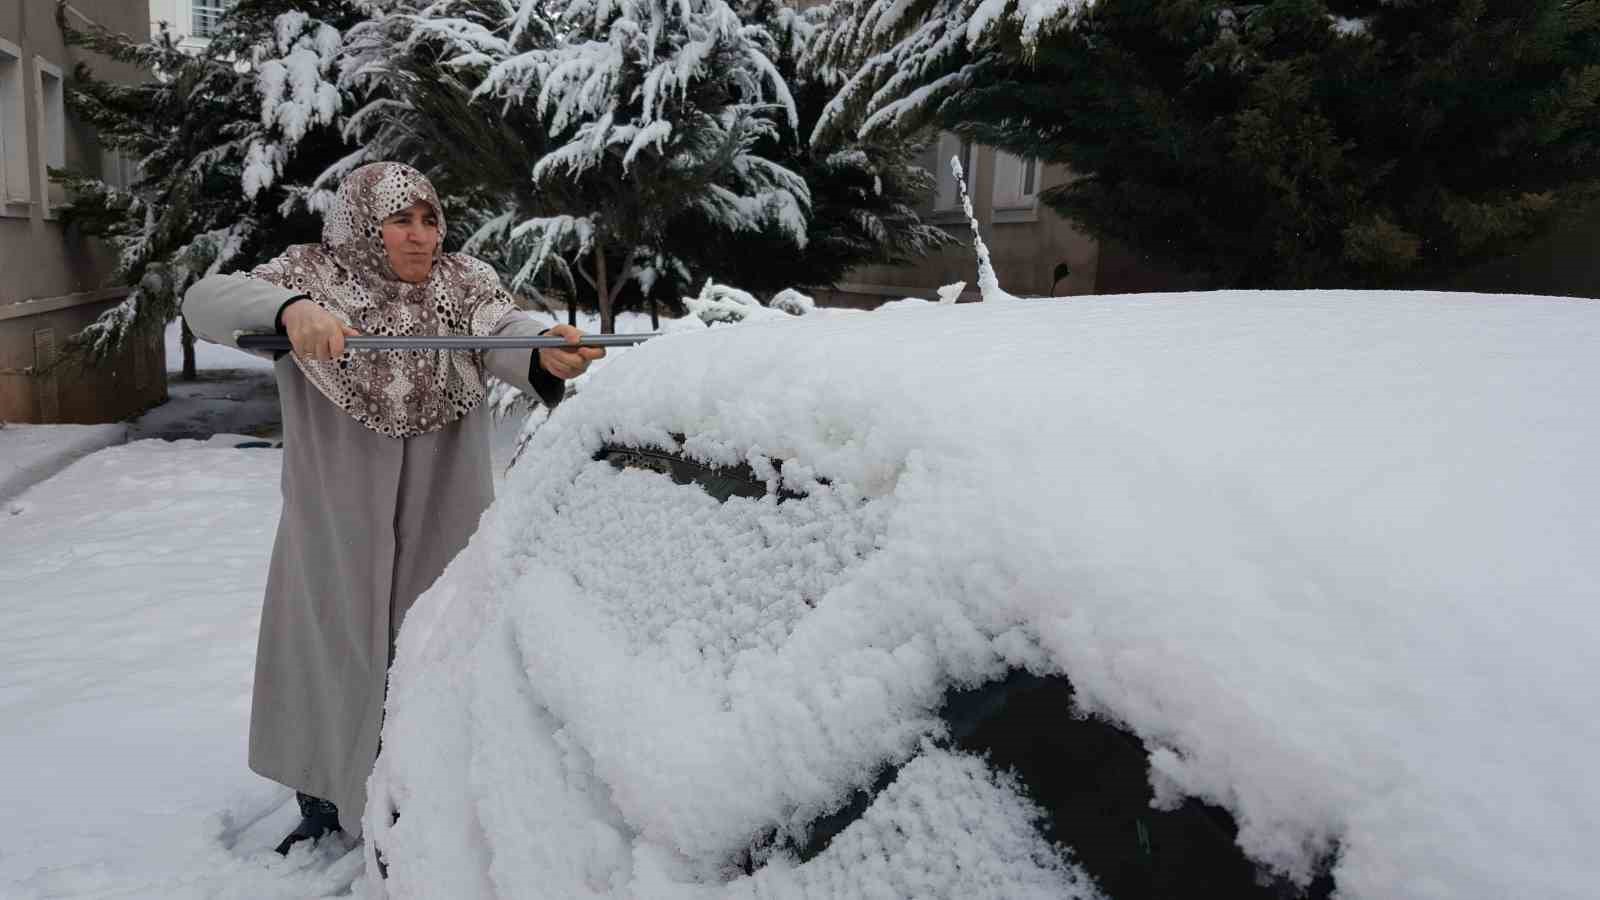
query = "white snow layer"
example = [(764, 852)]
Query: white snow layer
[(31, 453), (130, 591), (1329, 554)]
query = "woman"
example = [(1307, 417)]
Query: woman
[(385, 466)]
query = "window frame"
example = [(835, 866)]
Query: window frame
[(16, 151), (50, 137), (1023, 205), (968, 151), (205, 17), (118, 170)]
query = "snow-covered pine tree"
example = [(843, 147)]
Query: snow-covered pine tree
[(1289, 143), (896, 61), (415, 64), (654, 111), (224, 139), (141, 122), (864, 192)]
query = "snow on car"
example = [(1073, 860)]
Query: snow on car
[(882, 605)]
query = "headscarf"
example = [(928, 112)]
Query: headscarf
[(399, 393)]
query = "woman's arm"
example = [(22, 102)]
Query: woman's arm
[(221, 308), (520, 368)]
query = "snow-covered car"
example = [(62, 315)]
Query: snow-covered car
[(1235, 594)]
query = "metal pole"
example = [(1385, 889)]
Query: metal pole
[(453, 342)]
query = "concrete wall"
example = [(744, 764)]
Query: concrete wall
[(1026, 242), (53, 281)]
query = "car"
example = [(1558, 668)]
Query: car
[(1244, 594)]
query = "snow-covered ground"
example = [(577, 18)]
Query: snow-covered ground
[(234, 392), (130, 588), (31, 453)]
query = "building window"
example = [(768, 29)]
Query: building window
[(14, 156), (52, 114), (207, 16), (1016, 180), (116, 170), (951, 146), (50, 95)]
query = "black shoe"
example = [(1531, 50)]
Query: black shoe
[(317, 818)]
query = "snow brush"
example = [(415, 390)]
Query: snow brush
[(453, 342)]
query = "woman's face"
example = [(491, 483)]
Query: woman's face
[(410, 237)]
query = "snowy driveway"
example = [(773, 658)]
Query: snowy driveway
[(130, 589)]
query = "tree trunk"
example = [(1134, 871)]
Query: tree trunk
[(655, 315), (572, 309), (607, 323), (187, 341)]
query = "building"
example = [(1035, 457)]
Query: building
[(192, 22), (1035, 252), (53, 282)]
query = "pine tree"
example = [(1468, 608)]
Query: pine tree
[(864, 192), (654, 110), (418, 63), (1277, 143), (415, 64), (225, 140)]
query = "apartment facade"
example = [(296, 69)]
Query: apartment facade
[(53, 281), (1035, 251), (192, 22)]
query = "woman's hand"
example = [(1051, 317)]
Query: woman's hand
[(567, 364), (314, 332)]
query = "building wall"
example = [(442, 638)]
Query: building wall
[(53, 281), (1027, 240), (179, 18)]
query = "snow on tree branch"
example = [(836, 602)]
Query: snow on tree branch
[(296, 79), (896, 60), (650, 110)]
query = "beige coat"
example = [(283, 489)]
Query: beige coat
[(368, 523)]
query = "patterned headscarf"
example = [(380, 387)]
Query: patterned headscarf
[(398, 393)]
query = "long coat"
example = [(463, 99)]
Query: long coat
[(368, 523)]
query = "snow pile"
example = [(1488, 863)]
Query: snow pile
[(793, 302), (716, 305), (1330, 555), (31, 453), (719, 304)]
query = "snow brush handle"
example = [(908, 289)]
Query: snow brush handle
[(453, 342)]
